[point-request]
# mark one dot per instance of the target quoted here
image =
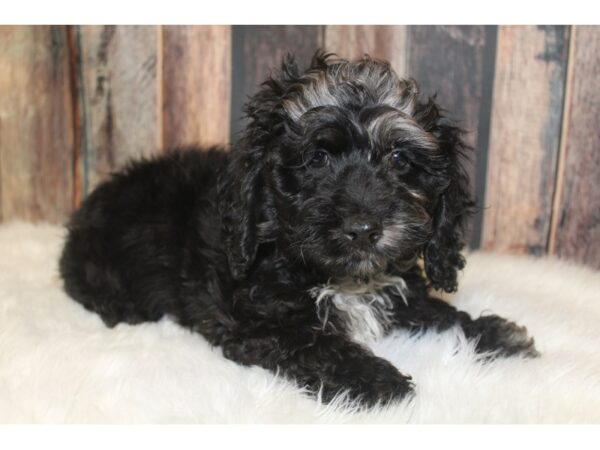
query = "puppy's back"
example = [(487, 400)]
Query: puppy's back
[(126, 243)]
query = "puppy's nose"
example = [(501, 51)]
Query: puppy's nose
[(360, 231)]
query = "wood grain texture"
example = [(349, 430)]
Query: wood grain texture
[(457, 63), (197, 85), (258, 50), (576, 224), (448, 60), (531, 65), (120, 97), (379, 41), (36, 139)]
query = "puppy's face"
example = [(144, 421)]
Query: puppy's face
[(364, 182), (353, 172)]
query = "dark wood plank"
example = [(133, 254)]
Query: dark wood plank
[(257, 50), (457, 63), (36, 122), (576, 225), (197, 85), (448, 60), (120, 97), (531, 66), (380, 41)]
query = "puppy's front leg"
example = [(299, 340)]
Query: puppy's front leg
[(327, 363), (493, 333)]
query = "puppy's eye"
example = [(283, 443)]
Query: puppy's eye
[(399, 160), (320, 158)]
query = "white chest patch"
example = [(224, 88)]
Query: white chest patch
[(365, 308)]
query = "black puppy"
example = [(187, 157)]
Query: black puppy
[(303, 242)]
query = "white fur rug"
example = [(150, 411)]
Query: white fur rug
[(58, 363)]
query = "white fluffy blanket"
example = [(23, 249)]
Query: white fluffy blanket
[(58, 363)]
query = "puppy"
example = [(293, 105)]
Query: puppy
[(325, 226)]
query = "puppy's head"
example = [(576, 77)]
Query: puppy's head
[(348, 172)]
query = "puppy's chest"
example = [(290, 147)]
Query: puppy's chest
[(365, 310)]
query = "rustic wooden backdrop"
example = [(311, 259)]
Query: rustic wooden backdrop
[(76, 102)]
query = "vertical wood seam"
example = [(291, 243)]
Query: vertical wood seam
[(237, 81), (406, 51), (83, 151), (160, 89), (228, 143), (486, 108), (564, 133), (76, 119), (407, 48)]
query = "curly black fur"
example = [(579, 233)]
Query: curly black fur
[(343, 177)]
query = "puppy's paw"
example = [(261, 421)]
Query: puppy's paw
[(377, 384), (501, 337)]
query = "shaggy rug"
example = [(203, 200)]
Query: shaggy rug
[(59, 363)]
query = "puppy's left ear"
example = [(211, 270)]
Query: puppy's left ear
[(441, 254), (243, 197)]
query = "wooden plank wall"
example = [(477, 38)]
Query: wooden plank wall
[(257, 51), (456, 63), (576, 215), (380, 41), (531, 65), (36, 124), (118, 77), (79, 101), (196, 85)]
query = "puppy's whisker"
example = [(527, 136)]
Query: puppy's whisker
[(302, 255)]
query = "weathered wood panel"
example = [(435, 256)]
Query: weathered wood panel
[(385, 42), (197, 84), (119, 97), (257, 50), (531, 65), (457, 63), (449, 61), (36, 139), (576, 225)]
